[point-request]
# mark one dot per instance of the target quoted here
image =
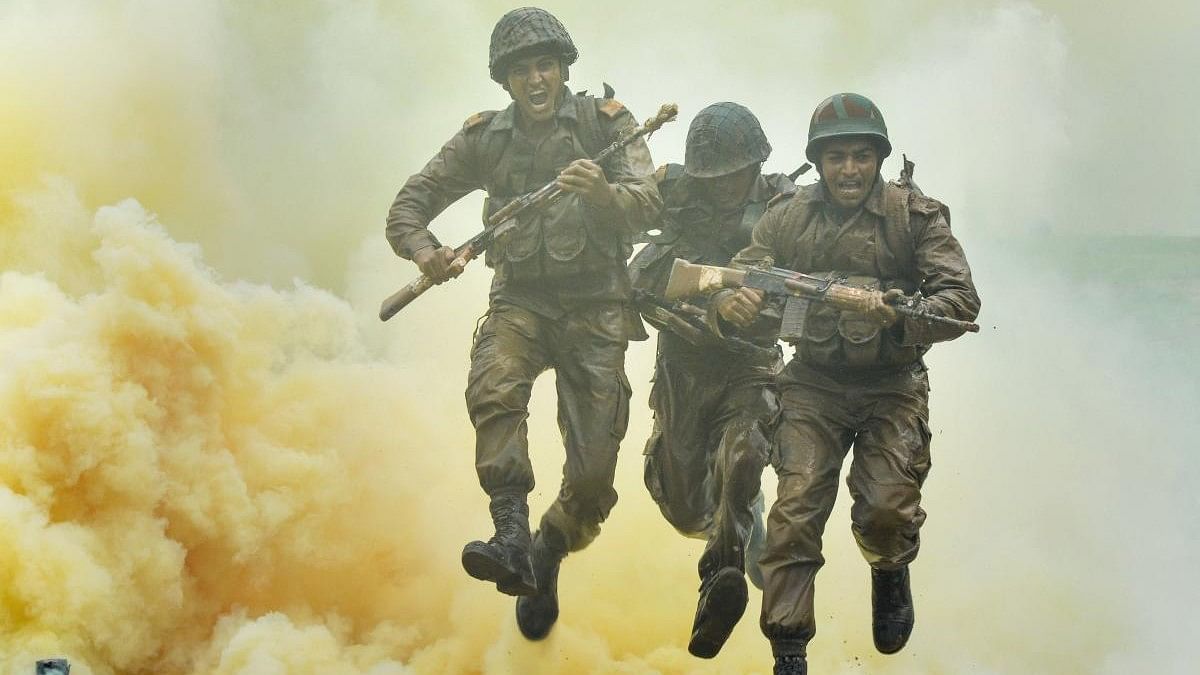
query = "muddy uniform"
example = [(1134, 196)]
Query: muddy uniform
[(713, 408), (560, 297), (854, 384)]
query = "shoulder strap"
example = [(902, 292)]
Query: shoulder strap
[(492, 145), (591, 136), (898, 255)]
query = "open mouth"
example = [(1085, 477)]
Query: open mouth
[(849, 186), (539, 98)]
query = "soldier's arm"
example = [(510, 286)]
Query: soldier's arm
[(636, 202), (743, 307), (947, 286), (450, 175)]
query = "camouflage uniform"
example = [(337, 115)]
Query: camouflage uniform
[(560, 297), (713, 408), (853, 384)]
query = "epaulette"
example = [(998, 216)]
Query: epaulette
[(478, 118), (926, 206), (782, 196), (612, 107), (660, 174)]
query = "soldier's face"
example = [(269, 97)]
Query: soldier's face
[(729, 191), (849, 167), (535, 83)]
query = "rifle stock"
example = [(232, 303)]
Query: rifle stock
[(688, 280)]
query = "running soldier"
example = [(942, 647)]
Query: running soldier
[(560, 297)]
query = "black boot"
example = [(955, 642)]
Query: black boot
[(891, 609), (722, 602), (504, 559), (756, 544), (537, 613), (791, 664)]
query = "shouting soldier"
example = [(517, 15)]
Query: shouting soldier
[(713, 404), (858, 379), (560, 298)]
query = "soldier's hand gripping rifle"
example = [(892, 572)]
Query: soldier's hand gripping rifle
[(688, 279), (503, 221)]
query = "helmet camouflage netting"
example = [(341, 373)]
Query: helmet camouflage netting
[(524, 31), (724, 138)]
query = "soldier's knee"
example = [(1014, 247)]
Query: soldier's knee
[(491, 398), (894, 511), (686, 519)]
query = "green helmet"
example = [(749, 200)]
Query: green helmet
[(524, 31), (846, 115), (724, 138)]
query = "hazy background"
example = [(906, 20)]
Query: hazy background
[(214, 458)]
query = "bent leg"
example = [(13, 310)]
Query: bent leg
[(746, 418), (681, 450), (505, 359), (593, 414)]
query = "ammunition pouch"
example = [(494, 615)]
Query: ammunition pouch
[(833, 338), (564, 239)]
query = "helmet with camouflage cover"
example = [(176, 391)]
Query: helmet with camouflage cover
[(524, 31), (724, 138), (846, 115)]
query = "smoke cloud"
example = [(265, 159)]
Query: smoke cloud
[(214, 459)]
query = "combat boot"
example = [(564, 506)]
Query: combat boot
[(756, 544), (891, 609), (504, 559), (537, 613), (791, 664), (722, 602)]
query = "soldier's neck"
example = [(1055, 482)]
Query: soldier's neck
[(536, 130)]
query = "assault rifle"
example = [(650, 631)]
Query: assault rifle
[(689, 322), (688, 279), (505, 220)]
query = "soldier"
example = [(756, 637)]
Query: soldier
[(858, 379), (713, 407), (560, 298)]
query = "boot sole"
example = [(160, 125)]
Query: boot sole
[(543, 618), (893, 648), (485, 568), (724, 607)]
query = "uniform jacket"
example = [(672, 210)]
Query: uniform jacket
[(564, 254), (898, 239)]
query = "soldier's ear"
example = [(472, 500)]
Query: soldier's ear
[(565, 69)]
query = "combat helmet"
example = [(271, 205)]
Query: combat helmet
[(523, 31), (846, 115), (724, 138)]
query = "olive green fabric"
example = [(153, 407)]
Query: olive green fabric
[(713, 415), (724, 138), (692, 229), (523, 31), (560, 297), (843, 115), (713, 410), (586, 349), (885, 419), (567, 254), (833, 400), (898, 239)]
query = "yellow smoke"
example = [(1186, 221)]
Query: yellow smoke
[(202, 473)]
